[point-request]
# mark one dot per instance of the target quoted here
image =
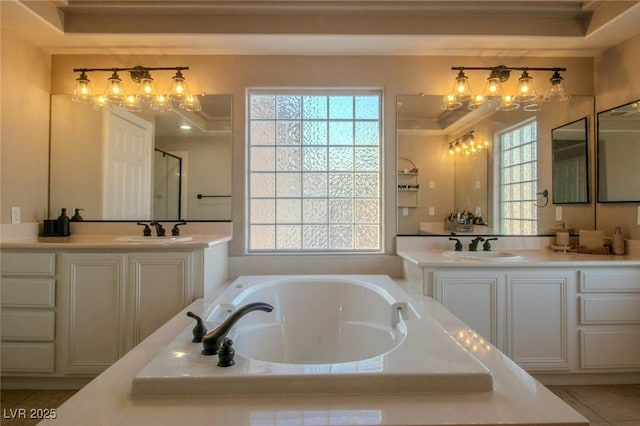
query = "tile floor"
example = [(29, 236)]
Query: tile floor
[(613, 405)]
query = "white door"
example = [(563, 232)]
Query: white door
[(128, 151)]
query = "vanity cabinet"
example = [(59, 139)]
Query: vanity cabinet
[(609, 322), (522, 312), (112, 301), (28, 312)]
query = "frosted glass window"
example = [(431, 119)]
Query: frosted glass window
[(518, 176), (314, 170)]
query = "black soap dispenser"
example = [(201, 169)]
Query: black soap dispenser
[(63, 224), (76, 216)]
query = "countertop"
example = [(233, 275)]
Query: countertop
[(534, 258), (112, 242), (517, 397)]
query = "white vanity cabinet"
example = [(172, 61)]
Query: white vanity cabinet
[(523, 312), (28, 312), (537, 321), (112, 300), (476, 297), (609, 321)]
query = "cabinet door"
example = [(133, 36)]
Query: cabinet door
[(476, 297), (95, 294), (537, 320), (161, 285)]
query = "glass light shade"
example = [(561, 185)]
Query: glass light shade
[(493, 91), (507, 103), (146, 92), (100, 102), (526, 91), (115, 90), (476, 102), (82, 91), (178, 89), (461, 91), (556, 92), (536, 104), (131, 103), (161, 103), (449, 103), (191, 103)]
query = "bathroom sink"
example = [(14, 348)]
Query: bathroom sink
[(152, 239), (500, 256)]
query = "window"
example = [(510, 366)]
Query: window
[(314, 171), (518, 175)]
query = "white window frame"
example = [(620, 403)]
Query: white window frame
[(377, 245)]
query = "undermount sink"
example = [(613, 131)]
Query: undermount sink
[(152, 239), (484, 255)]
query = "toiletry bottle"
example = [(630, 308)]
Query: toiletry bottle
[(618, 241), (76, 216), (63, 226)]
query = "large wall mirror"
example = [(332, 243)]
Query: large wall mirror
[(571, 163), (119, 165), (449, 184), (619, 154)]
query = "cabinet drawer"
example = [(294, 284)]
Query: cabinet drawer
[(610, 309), (27, 325), (610, 280), (28, 263), (610, 349), (28, 293), (27, 357)]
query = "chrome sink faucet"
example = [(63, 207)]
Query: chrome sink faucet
[(212, 341)]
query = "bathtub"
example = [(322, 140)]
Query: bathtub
[(326, 334)]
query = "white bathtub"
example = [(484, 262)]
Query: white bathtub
[(326, 334)]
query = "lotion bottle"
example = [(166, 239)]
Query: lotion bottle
[(618, 241)]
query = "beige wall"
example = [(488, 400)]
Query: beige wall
[(617, 83), (24, 129)]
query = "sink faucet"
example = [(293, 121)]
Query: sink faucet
[(458, 246), (159, 229), (473, 245), (487, 245), (212, 341), (175, 231)]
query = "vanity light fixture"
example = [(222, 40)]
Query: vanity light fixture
[(145, 95), (466, 145), (495, 97)]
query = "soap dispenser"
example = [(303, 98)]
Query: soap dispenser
[(62, 224), (618, 241), (76, 216)]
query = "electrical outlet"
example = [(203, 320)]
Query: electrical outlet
[(15, 215), (432, 184), (478, 184)]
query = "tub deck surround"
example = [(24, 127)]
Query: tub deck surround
[(517, 398), (326, 334)]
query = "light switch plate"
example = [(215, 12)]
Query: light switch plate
[(15, 215), (558, 214), (432, 211)]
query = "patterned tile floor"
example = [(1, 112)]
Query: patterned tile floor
[(613, 405)]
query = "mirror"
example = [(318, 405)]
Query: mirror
[(119, 165), (451, 183), (619, 154), (570, 167)]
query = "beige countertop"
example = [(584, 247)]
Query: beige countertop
[(526, 258), (113, 242)]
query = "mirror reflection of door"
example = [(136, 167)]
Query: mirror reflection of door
[(127, 165)]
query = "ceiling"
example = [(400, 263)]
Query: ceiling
[(315, 27)]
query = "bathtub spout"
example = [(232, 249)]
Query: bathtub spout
[(212, 341)]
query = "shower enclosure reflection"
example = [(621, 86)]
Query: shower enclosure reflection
[(167, 185)]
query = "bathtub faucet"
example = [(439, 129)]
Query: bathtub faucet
[(212, 341)]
